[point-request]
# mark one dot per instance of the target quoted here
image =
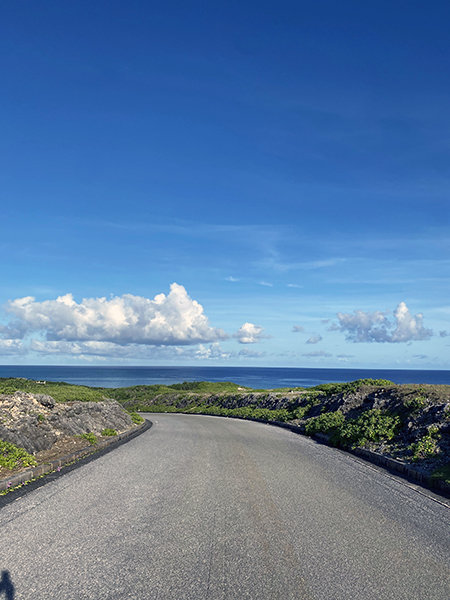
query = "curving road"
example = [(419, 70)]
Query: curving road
[(210, 508)]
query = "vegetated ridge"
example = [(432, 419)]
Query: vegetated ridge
[(36, 428), (409, 422)]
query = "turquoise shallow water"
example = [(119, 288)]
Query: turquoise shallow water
[(257, 377)]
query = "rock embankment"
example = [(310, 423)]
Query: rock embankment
[(35, 422)]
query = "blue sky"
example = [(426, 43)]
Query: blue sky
[(285, 165)]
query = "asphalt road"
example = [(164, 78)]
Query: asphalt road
[(211, 508)]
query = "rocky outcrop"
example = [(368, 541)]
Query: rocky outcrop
[(35, 422)]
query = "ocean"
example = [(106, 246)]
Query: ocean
[(255, 377)]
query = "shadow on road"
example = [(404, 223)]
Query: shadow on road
[(6, 586)]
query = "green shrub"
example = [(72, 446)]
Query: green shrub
[(414, 404), (336, 388), (137, 419), (109, 432), (90, 437), (12, 456), (372, 426), (427, 446), (325, 423), (301, 411)]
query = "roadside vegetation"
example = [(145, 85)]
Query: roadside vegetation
[(13, 457), (407, 422)]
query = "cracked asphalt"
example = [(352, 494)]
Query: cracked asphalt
[(201, 507)]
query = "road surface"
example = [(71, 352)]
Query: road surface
[(203, 507)]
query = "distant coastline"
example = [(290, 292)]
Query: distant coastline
[(256, 377)]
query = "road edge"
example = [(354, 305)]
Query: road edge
[(74, 459), (399, 468), (392, 465)]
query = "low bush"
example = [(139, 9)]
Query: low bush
[(325, 423), (108, 432), (90, 437), (13, 457), (336, 388), (300, 412), (372, 426), (415, 404), (427, 446), (137, 419)]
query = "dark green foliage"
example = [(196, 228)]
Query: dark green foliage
[(372, 426), (13, 457), (325, 423), (109, 432), (301, 411)]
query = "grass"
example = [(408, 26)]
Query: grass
[(59, 391)]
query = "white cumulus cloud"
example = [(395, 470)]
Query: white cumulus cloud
[(172, 319), (377, 326), (249, 333)]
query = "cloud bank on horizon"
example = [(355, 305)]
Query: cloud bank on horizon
[(170, 327)]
